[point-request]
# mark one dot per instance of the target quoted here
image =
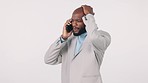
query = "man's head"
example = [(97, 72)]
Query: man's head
[(77, 22)]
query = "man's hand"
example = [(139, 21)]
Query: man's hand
[(87, 9), (65, 34)]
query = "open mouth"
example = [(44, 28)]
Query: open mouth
[(75, 29)]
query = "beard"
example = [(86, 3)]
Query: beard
[(81, 31)]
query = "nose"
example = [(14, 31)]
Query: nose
[(74, 23)]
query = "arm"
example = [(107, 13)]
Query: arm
[(100, 39), (53, 55)]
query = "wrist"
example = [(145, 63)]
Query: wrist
[(65, 38)]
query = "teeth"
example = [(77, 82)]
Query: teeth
[(76, 28)]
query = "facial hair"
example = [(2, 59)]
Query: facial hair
[(81, 31)]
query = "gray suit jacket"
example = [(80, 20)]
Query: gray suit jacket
[(85, 66)]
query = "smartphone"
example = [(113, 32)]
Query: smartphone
[(69, 28)]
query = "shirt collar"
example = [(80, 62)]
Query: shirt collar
[(82, 36)]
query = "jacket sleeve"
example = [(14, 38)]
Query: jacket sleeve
[(53, 55), (100, 39)]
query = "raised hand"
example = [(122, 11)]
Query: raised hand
[(66, 34), (87, 9)]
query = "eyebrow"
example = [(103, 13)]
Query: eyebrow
[(77, 19)]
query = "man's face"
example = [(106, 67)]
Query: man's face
[(77, 23)]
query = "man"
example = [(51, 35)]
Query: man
[(81, 50)]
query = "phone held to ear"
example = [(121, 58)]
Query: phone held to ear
[(69, 28)]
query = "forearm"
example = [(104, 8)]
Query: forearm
[(89, 21), (53, 55), (100, 39)]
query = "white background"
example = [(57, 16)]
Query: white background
[(29, 27)]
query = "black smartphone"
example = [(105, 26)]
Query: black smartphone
[(69, 28)]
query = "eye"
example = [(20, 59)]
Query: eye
[(79, 20)]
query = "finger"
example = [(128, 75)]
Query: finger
[(68, 20), (68, 23), (83, 6)]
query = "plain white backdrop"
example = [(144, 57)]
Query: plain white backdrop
[(29, 27)]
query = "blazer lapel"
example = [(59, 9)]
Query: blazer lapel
[(83, 45), (71, 46)]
